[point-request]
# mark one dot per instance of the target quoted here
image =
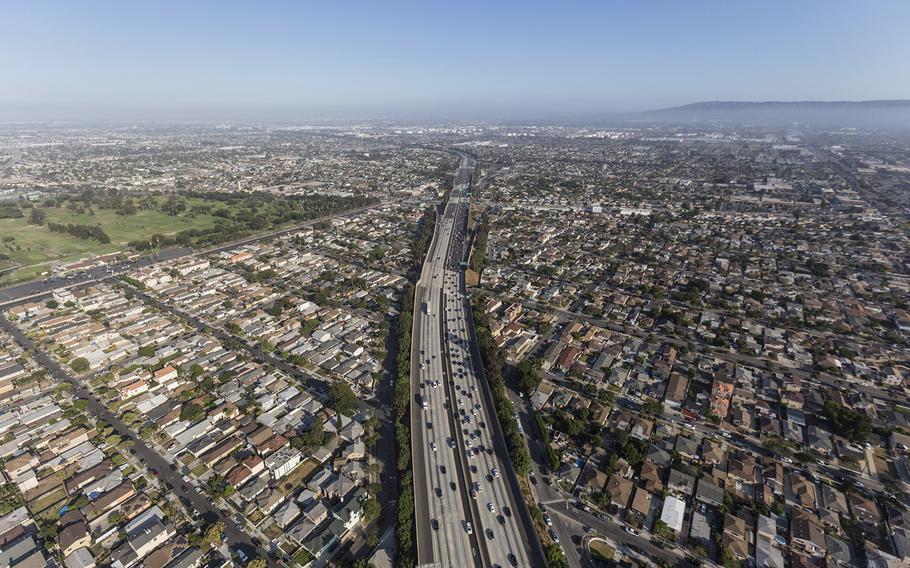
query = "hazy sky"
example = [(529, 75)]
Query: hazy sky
[(73, 59)]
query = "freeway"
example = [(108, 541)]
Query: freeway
[(444, 517), (167, 472), (466, 494)]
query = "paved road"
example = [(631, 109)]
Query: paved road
[(817, 379), (464, 473), (443, 509), (314, 384), (18, 292), (384, 450), (148, 456), (568, 520)]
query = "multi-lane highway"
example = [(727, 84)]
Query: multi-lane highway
[(468, 509)]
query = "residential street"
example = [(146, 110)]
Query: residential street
[(166, 474)]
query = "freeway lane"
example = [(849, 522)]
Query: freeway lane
[(459, 429), (148, 456), (442, 509)]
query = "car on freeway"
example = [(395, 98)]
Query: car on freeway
[(491, 507), (468, 528), (435, 524)]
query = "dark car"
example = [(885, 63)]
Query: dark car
[(435, 524)]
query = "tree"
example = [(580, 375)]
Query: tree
[(528, 378), (555, 556), (79, 364), (147, 351), (344, 401), (848, 423), (37, 217), (191, 411), (371, 509), (213, 535), (652, 407), (311, 440), (256, 563)]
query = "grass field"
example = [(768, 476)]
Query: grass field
[(143, 224), (296, 477), (34, 247), (31, 250), (602, 551)]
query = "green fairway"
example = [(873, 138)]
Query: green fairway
[(30, 250), (34, 247), (123, 229)]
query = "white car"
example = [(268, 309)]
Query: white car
[(491, 507), (433, 446)]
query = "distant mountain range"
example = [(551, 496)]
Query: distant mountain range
[(881, 114), (788, 105)]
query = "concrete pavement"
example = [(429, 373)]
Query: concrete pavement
[(457, 445)]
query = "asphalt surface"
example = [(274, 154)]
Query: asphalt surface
[(233, 537), (569, 521), (462, 469), (440, 480)]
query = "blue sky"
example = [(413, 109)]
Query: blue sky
[(481, 59)]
